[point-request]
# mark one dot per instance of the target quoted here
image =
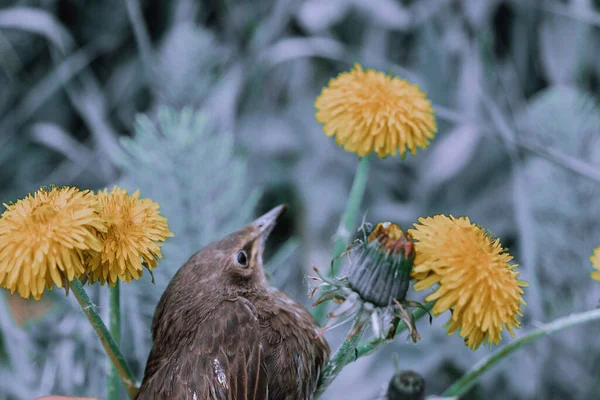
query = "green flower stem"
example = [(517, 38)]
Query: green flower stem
[(370, 346), (465, 383), (351, 350), (110, 347), (114, 325), (347, 224), (345, 354)]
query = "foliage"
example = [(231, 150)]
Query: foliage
[(517, 151)]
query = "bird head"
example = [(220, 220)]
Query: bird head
[(235, 262), (229, 267)]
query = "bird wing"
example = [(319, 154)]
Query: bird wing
[(221, 360), (293, 353)]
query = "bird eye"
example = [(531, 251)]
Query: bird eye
[(242, 258)]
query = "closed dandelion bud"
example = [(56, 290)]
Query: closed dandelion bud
[(406, 385), (381, 274), (374, 291)]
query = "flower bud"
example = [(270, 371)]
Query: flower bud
[(381, 274), (374, 291)]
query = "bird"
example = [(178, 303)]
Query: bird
[(220, 332)]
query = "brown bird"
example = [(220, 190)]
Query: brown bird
[(220, 332)]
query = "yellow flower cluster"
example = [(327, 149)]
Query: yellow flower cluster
[(60, 234), (474, 278), (368, 112)]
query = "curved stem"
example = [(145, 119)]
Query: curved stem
[(114, 325), (347, 223), (465, 383), (342, 357), (110, 347)]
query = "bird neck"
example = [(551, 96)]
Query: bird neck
[(249, 290)]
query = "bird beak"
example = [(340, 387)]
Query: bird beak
[(266, 223)]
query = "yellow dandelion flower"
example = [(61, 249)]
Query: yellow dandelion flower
[(595, 259), (369, 111), (132, 240), (474, 276), (44, 238)]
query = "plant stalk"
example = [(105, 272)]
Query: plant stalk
[(465, 383), (347, 224), (114, 326), (351, 350), (110, 346), (345, 354)]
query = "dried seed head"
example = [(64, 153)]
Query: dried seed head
[(381, 271)]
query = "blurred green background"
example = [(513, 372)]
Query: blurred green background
[(207, 108)]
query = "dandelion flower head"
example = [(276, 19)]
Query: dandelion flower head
[(44, 238), (368, 111), (476, 280), (133, 238)]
